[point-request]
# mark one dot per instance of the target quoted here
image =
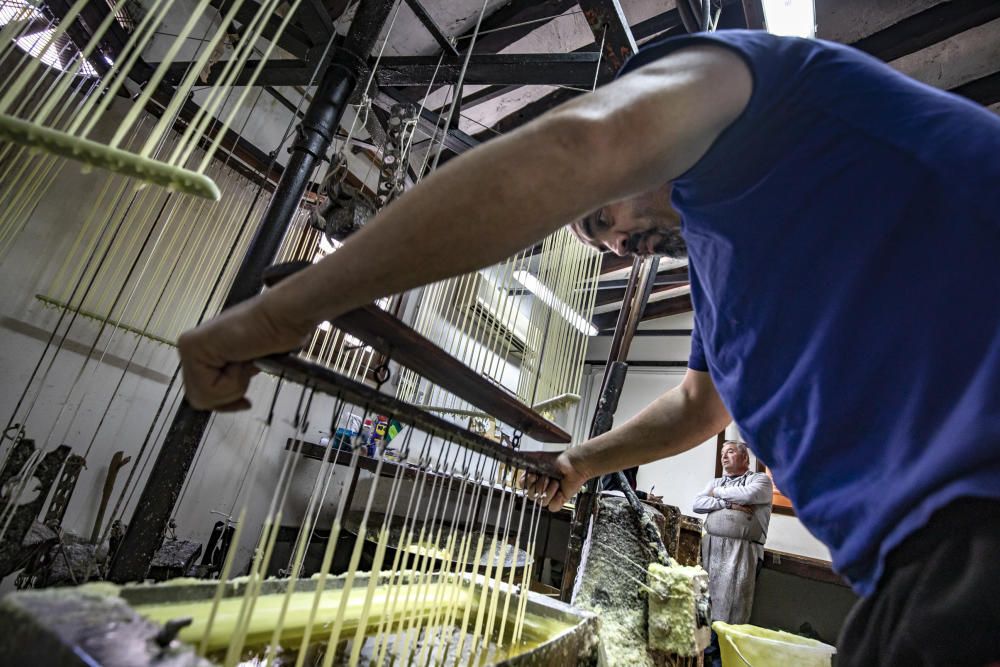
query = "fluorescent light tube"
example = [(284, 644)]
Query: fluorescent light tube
[(535, 286)]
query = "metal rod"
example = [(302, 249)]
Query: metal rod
[(156, 504), (611, 388), (607, 404)]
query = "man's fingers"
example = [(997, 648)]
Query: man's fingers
[(219, 389), (235, 406), (557, 502), (546, 491), (527, 481), (537, 486)]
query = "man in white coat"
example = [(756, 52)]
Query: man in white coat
[(738, 508)]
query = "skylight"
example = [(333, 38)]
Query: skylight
[(794, 18), (12, 10), (59, 54)]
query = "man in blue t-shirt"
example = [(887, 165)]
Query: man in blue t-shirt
[(842, 224)]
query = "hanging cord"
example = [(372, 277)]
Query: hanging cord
[(423, 106), (696, 15), (331, 177), (75, 312), (119, 508), (600, 57), (461, 77), (371, 78)]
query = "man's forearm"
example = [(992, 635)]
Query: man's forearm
[(675, 422), (757, 493), (706, 504)]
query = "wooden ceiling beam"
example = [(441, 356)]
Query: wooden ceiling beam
[(512, 22), (502, 28), (615, 295), (984, 90), (293, 39), (611, 262), (910, 35), (656, 309), (314, 19), (652, 26), (678, 274), (753, 13), (923, 29), (506, 69)]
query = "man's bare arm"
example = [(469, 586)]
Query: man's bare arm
[(677, 421), (628, 137)]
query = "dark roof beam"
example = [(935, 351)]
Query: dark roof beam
[(607, 297), (273, 73), (654, 309), (655, 25), (753, 13), (502, 28), (512, 22), (673, 277), (523, 69), (984, 90), (314, 19), (923, 29), (610, 27)]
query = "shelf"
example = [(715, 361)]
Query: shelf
[(324, 380), (391, 337), (404, 345), (802, 566)]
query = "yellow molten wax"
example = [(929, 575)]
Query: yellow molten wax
[(267, 609), (537, 629), (428, 549)]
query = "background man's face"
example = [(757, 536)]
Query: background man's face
[(734, 463), (643, 225)]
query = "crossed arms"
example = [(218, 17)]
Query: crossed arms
[(757, 491)]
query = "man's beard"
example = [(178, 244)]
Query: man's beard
[(672, 245)]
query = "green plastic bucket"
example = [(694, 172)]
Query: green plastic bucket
[(750, 646)]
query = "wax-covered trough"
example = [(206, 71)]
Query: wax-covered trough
[(147, 626)]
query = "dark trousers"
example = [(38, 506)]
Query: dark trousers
[(938, 602)]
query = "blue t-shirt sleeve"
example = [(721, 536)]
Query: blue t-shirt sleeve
[(697, 360), (745, 149)]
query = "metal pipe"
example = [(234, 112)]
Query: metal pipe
[(159, 496)]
